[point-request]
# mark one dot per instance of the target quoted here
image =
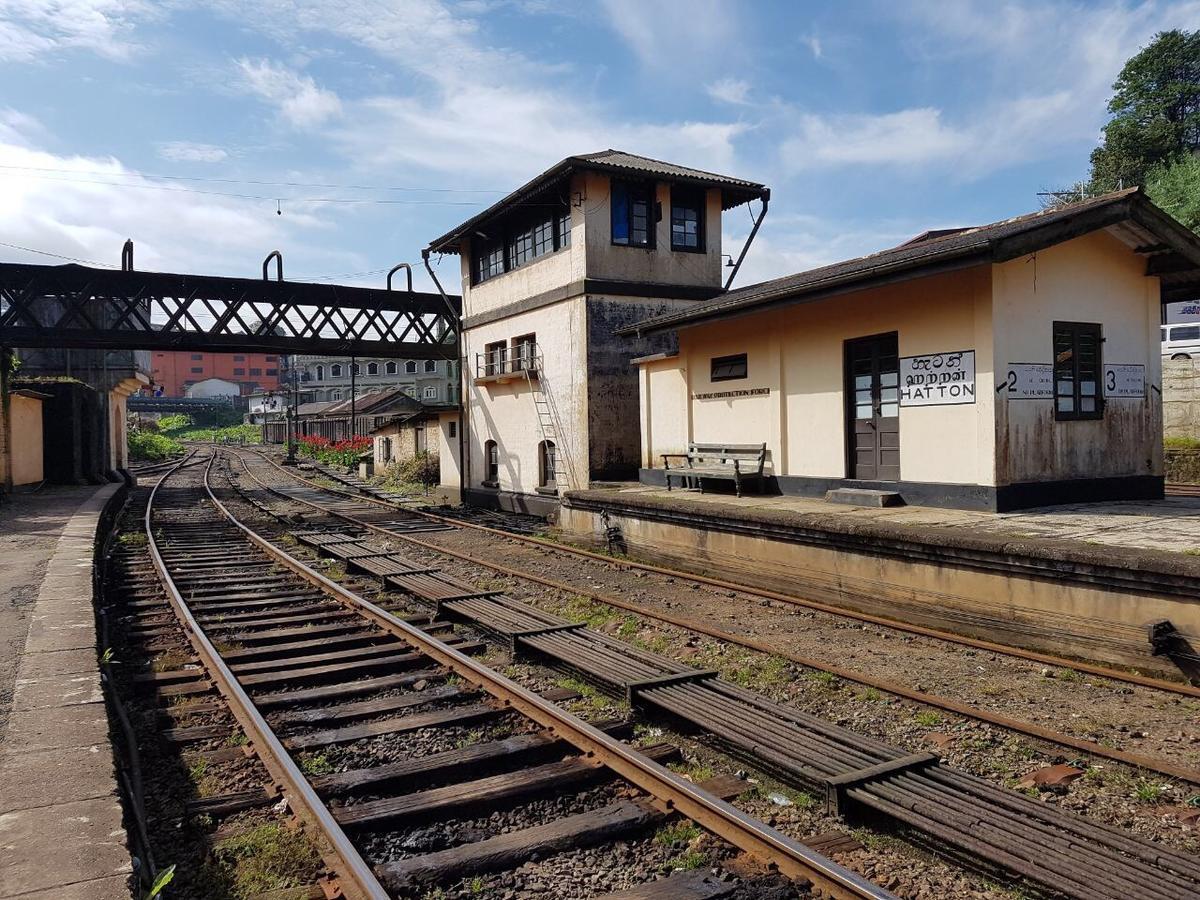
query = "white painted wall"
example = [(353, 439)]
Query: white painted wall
[(796, 353), (505, 412), (1094, 278)]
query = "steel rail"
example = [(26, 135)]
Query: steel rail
[(895, 624), (946, 703), (305, 802), (672, 791)]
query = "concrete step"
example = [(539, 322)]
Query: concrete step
[(864, 497)]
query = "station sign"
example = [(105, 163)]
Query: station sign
[(1124, 381), (938, 379), (1028, 381)]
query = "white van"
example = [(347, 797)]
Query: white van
[(1181, 341)]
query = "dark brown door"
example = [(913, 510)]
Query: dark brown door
[(873, 408)]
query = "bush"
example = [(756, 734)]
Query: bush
[(342, 453), (151, 447), (174, 422), (233, 434), (421, 469)]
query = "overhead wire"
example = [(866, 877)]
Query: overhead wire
[(261, 183), (257, 197)]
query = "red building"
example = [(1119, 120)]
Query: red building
[(177, 370)]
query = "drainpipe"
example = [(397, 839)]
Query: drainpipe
[(6, 357), (353, 391), (462, 389), (750, 240)]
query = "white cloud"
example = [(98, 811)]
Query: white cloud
[(469, 107), (1040, 78), (85, 207), (32, 29), (504, 136), (300, 101), (190, 151), (729, 90), (814, 45), (665, 31), (901, 138)]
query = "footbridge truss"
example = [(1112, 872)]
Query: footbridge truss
[(79, 307)]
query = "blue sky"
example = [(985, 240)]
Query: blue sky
[(870, 121)]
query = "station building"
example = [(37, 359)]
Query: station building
[(999, 367), (550, 275)]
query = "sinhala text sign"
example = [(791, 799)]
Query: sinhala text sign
[(938, 379), (1029, 381)]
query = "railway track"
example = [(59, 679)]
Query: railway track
[(860, 776), (361, 515), (306, 666)]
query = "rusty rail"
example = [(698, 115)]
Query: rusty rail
[(674, 792), (357, 879), (892, 687)]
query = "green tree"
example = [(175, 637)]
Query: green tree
[(1155, 112), (1176, 188)]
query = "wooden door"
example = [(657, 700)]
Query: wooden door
[(873, 408)]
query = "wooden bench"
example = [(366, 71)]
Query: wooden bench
[(729, 462)]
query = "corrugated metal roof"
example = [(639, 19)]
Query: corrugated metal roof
[(734, 191), (994, 243)]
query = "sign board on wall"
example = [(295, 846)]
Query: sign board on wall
[(1029, 381), (1124, 381), (938, 379)]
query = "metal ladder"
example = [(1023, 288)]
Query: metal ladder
[(547, 420)]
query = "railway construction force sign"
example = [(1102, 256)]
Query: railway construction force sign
[(938, 379)]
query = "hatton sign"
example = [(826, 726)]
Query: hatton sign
[(938, 379)]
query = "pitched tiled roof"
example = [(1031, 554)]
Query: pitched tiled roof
[(734, 191), (949, 248)]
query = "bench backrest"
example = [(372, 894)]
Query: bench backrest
[(752, 452)]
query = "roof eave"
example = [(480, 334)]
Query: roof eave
[(732, 195), (834, 286)]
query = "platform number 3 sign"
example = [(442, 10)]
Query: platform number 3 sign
[(1122, 380)]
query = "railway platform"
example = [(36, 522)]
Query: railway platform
[(1091, 581), (61, 831)]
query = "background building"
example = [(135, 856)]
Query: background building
[(175, 371), (327, 378)]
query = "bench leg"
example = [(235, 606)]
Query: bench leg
[(668, 477), (737, 485)]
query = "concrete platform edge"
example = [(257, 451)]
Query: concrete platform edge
[(61, 821)]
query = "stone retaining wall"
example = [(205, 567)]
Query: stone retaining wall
[(1181, 398), (1183, 466)]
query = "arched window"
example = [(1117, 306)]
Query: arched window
[(491, 456), (372, 368), (410, 367), (354, 369), (335, 370), (390, 368), (335, 395), (431, 365), (320, 373), (546, 465)]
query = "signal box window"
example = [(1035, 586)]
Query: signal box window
[(632, 218), (687, 220)]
